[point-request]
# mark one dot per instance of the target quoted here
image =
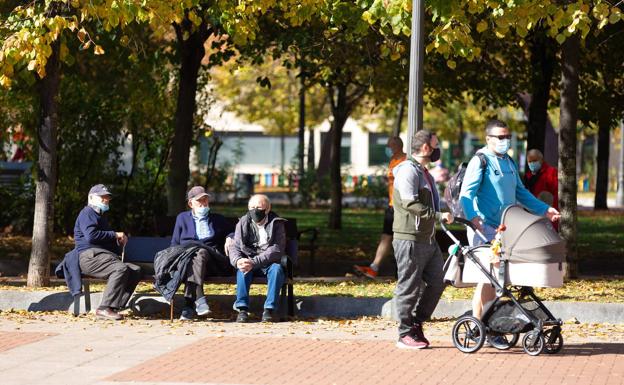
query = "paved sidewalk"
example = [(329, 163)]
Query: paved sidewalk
[(60, 349)]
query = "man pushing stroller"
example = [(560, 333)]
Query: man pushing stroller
[(488, 189)]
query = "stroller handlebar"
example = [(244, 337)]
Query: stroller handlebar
[(466, 223)]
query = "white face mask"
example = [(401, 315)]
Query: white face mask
[(502, 146)]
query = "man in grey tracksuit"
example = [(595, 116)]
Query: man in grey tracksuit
[(416, 209)]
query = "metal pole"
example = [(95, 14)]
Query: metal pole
[(417, 56)]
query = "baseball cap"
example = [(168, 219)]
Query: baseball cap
[(196, 192), (99, 190)]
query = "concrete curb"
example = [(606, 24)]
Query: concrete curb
[(313, 307)]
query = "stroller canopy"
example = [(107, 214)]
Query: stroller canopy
[(530, 238)]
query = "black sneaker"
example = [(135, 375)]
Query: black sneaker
[(267, 315), (243, 316)]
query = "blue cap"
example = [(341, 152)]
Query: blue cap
[(99, 190)]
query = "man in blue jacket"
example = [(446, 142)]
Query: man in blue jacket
[(198, 226), (98, 248), (487, 192)]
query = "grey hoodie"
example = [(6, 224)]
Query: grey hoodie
[(416, 204)]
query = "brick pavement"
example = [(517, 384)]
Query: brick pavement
[(305, 361), (85, 351), (10, 340)]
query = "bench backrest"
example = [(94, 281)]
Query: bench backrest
[(143, 249)]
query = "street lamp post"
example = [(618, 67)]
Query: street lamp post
[(417, 56)]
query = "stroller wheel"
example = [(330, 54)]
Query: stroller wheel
[(553, 341), (468, 334), (504, 341), (533, 343)]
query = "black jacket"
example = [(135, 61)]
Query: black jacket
[(171, 265)]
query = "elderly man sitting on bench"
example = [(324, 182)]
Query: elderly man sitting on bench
[(98, 250), (259, 244), (207, 232)]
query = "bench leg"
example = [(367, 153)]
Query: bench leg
[(87, 295), (171, 309), (291, 300), (283, 304), (76, 305)]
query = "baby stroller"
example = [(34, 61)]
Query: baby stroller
[(531, 255)]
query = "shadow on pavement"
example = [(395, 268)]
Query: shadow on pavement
[(51, 302)]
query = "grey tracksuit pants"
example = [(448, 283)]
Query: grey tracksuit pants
[(122, 277), (417, 263)]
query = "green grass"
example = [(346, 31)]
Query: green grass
[(601, 234)]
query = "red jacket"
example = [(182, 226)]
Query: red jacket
[(546, 181)]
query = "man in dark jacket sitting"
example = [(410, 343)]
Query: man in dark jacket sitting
[(198, 226), (259, 244), (98, 248)]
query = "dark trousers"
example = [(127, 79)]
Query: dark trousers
[(122, 277), (195, 274), (417, 264)]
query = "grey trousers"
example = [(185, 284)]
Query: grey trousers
[(122, 277), (417, 263), (194, 287)]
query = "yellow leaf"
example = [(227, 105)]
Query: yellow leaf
[(451, 64), (31, 65), (41, 72), (482, 26), (5, 81), (98, 50), (82, 34)]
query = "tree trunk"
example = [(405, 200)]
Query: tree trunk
[(340, 111), (567, 144), (301, 127), (396, 131), (619, 199), (602, 161), (191, 52), (542, 67), (39, 266), (311, 149), (324, 164)]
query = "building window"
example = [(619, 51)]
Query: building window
[(377, 149), (252, 148)]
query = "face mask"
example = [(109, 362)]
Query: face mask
[(102, 206), (202, 211), (535, 166), (257, 214), (502, 146), (435, 155), (388, 152)]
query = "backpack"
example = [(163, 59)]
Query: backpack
[(453, 187)]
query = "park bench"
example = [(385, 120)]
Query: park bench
[(141, 251)]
